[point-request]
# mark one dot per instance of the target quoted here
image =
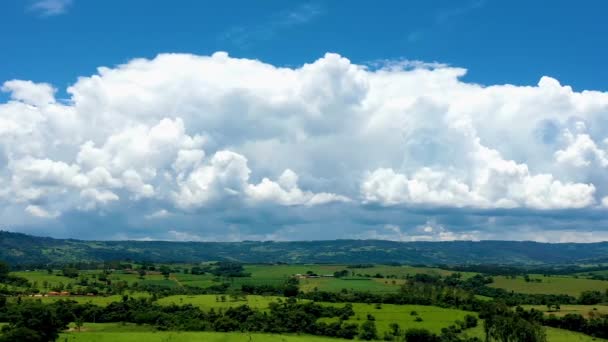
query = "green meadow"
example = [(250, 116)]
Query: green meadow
[(207, 302), (352, 284), (553, 335), (96, 300), (584, 310), (40, 278), (433, 318), (116, 332), (549, 285)]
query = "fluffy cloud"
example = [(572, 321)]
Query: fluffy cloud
[(286, 191), (181, 137)]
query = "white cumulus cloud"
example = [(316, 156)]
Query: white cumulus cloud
[(185, 133)]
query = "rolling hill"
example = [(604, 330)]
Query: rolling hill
[(17, 248)]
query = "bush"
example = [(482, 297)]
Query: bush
[(368, 331), (420, 335)]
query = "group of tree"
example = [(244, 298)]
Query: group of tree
[(596, 325), (31, 320), (505, 325)]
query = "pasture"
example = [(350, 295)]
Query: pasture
[(45, 281), (358, 279), (433, 318), (553, 335), (284, 271), (216, 302), (584, 310), (549, 285), (352, 284), (194, 280), (96, 300), (150, 279), (115, 332)]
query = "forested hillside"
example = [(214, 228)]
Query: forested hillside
[(25, 249)]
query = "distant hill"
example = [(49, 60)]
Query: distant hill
[(17, 248)]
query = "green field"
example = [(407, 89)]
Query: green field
[(576, 309), (207, 302), (352, 284), (40, 278), (284, 271), (553, 335), (97, 300), (195, 280), (550, 285), (151, 279), (376, 279), (359, 279), (115, 332), (433, 318)]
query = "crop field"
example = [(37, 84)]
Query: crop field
[(433, 318), (549, 285), (585, 310)]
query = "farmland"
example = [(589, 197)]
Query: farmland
[(391, 298)]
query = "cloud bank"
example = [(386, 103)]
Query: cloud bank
[(219, 148)]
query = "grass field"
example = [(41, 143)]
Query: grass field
[(39, 278), (97, 300), (433, 318), (566, 309), (284, 271), (260, 275), (553, 335), (354, 284), (359, 279), (550, 285), (152, 279), (112, 332), (195, 280), (207, 302)]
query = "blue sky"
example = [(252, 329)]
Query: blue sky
[(406, 120), (514, 42)]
